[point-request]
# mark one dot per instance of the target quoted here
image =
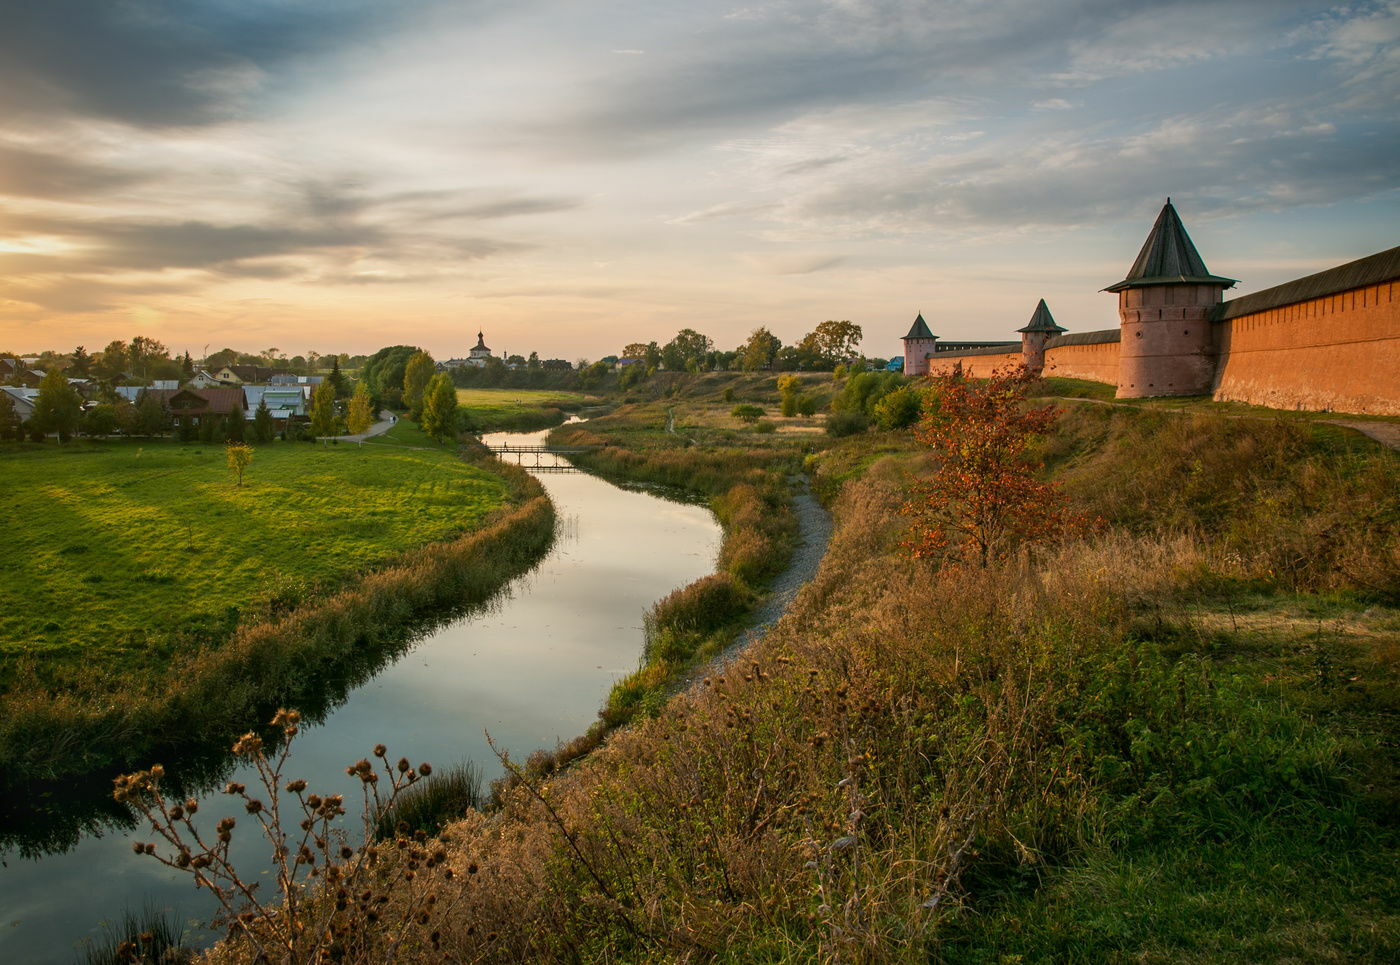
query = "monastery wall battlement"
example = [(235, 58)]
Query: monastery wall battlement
[(1326, 342)]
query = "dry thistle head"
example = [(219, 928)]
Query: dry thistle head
[(247, 745), (287, 720)]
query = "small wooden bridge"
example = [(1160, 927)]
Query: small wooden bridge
[(556, 450), (543, 458)]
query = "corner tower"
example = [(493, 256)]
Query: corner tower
[(918, 346), (1164, 308), (1039, 330)]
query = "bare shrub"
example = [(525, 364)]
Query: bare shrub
[(334, 900)]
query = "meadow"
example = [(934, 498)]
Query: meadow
[(1170, 739), (447, 531), (1168, 736), (124, 552), (516, 410)]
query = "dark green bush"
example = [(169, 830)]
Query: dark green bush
[(840, 424)]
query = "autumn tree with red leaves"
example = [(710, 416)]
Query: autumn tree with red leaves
[(983, 498)]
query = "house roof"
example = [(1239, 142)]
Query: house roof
[(920, 328), (252, 373), (219, 401), (282, 400), (1041, 321), (20, 394), (1168, 257), (1372, 270)]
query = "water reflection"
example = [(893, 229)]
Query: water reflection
[(532, 669)]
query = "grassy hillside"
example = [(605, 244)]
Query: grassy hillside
[(1172, 738), (124, 552)]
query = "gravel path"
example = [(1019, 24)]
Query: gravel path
[(814, 525), (385, 423), (1386, 433)]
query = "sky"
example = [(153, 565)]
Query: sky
[(569, 176)]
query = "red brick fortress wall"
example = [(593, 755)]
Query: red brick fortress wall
[(974, 364), (1096, 361), (1339, 352)]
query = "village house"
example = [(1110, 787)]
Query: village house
[(310, 381), (192, 407), (203, 379), (20, 372), (23, 398), (245, 374), (283, 401)]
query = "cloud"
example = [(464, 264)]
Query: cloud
[(88, 261), (556, 291), (25, 172), (792, 263), (811, 165), (77, 294), (769, 63), (1144, 38), (149, 63), (1364, 43), (1229, 163), (724, 211), (510, 208)]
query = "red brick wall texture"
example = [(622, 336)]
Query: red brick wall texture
[(973, 366), (1339, 352), (1097, 363)]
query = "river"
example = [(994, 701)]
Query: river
[(532, 668)]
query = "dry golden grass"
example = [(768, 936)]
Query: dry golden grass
[(915, 761)]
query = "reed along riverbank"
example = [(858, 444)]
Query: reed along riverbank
[(220, 689), (1170, 737)]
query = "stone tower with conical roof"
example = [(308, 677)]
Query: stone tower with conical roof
[(1039, 330), (918, 346), (1164, 309)]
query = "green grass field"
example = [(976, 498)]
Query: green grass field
[(517, 410), (124, 551)]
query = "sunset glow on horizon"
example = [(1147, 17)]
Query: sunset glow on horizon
[(569, 178)]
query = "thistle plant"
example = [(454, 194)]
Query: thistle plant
[(334, 901)]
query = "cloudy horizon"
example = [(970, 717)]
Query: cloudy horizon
[(339, 176)]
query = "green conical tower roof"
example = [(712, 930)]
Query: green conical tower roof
[(920, 329), (1042, 321), (1169, 258)]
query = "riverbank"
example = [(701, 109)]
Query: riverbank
[(529, 666), (1189, 708), (922, 761), (218, 688)]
